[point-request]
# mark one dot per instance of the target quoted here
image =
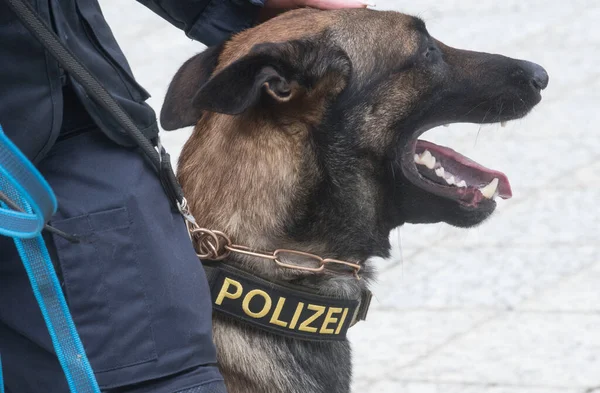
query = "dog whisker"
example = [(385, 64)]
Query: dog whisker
[(480, 126)]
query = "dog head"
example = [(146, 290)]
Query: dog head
[(307, 126)]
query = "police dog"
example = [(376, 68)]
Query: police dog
[(306, 138)]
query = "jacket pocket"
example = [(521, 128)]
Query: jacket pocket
[(105, 290)]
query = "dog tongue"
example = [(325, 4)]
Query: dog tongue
[(474, 174)]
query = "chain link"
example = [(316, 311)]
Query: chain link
[(216, 246)]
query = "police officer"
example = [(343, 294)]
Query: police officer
[(135, 288)]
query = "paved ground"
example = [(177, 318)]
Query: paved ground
[(514, 305)]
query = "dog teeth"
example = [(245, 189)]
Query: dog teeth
[(428, 160), (450, 178), (502, 124), (425, 159), (490, 190)]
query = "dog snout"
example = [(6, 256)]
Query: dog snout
[(538, 77)]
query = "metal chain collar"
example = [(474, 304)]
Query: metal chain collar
[(215, 246)]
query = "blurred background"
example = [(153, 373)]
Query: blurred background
[(512, 306)]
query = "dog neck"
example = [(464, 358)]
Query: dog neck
[(253, 359), (244, 181)]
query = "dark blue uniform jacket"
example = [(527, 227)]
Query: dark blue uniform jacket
[(30, 79), (135, 288)]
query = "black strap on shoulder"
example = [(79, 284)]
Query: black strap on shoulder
[(158, 158), (283, 309)]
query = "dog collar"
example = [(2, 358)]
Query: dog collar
[(286, 310)]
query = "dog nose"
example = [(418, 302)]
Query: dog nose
[(539, 76)]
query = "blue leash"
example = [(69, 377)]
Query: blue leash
[(1, 379), (24, 185)]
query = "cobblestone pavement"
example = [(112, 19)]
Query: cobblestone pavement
[(512, 306)]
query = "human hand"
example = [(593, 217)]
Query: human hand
[(275, 7), (321, 4)]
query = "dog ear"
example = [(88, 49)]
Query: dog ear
[(277, 72), (177, 110)]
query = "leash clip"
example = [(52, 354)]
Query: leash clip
[(190, 221)]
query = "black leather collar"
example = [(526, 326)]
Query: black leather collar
[(286, 310)]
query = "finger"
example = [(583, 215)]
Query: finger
[(321, 4), (334, 4)]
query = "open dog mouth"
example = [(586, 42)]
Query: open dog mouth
[(447, 173)]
